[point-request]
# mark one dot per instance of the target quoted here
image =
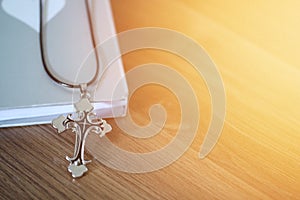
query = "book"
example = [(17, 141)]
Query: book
[(28, 95)]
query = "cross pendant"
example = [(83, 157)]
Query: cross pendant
[(81, 123)]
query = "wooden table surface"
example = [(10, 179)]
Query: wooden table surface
[(256, 46)]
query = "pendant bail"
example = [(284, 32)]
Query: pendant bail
[(83, 90)]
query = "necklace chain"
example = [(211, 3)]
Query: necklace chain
[(47, 66)]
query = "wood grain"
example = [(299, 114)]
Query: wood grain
[(255, 46)]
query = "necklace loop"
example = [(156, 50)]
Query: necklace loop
[(43, 55), (84, 92)]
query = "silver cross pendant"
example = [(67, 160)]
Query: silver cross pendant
[(81, 123)]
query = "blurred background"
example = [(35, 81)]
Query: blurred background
[(256, 46)]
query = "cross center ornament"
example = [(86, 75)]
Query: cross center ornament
[(81, 123)]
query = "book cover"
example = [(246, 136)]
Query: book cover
[(28, 95)]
